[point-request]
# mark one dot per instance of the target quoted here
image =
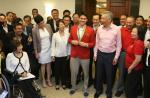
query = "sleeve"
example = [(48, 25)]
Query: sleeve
[(53, 45), (71, 37), (91, 44), (27, 64), (34, 39), (96, 44), (139, 48), (8, 63), (118, 44)]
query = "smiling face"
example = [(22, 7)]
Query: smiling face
[(96, 20), (139, 21), (19, 48), (61, 26), (82, 20), (134, 33)]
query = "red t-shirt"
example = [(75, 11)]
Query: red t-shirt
[(126, 38), (137, 48)]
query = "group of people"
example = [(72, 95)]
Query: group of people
[(65, 48)]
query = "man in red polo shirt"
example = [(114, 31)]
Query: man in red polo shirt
[(126, 40), (82, 38)]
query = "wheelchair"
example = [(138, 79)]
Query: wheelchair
[(14, 89), (5, 86)]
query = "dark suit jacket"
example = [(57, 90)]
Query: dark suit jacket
[(29, 29), (8, 42), (51, 22)]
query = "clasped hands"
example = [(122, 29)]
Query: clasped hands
[(83, 44)]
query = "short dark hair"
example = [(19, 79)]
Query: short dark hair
[(9, 13), (75, 14), (66, 11), (140, 16), (83, 14), (34, 9), (54, 10), (61, 21), (17, 24), (67, 16), (27, 16), (141, 30), (16, 21), (38, 19), (1, 14), (15, 43), (97, 15)]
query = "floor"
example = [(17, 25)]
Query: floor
[(51, 92)]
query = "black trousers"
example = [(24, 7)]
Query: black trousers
[(90, 66), (146, 76), (104, 66), (35, 66), (60, 70), (27, 89), (131, 86)]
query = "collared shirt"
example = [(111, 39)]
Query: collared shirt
[(126, 38), (55, 26), (147, 36), (5, 28), (108, 40), (80, 32), (66, 30), (148, 58), (95, 27), (60, 46), (136, 48)]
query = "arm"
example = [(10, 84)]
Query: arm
[(118, 45), (35, 41), (8, 64), (137, 60), (27, 64), (138, 52), (53, 46), (96, 44), (71, 40), (91, 44)]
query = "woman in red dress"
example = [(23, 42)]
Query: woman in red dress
[(134, 61)]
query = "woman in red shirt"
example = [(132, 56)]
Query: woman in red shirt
[(134, 61)]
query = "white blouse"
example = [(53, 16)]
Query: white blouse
[(60, 46), (12, 62)]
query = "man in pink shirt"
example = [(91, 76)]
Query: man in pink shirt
[(106, 52)]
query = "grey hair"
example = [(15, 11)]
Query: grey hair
[(108, 14)]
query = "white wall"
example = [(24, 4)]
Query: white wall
[(145, 8), (23, 7)]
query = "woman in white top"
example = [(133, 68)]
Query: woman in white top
[(42, 34), (60, 54), (17, 62)]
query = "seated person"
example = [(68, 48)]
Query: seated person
[(17, 63)]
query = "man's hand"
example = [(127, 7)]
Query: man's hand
[(95, 58), (53, 58), (24, 74), (75, 42), (83, 44), (37, 55), (114, 61), (130, 69)]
